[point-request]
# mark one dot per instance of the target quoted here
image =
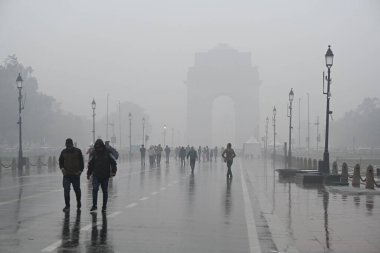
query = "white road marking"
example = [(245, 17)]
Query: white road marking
[(163, 188), (52, 246), (113, 214), (154, 193), (86, 228), (131, 205), (254, 244), (144, 198), (28, 197)]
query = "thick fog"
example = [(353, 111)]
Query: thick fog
[(141, 51)]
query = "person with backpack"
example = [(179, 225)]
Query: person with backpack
[(229, 155), (71, 164), (102, 166), (167, 153)]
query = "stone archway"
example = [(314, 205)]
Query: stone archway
[(222, 71)]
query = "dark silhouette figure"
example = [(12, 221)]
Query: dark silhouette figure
[(167, 153), (193, 157), (142, 152), (229, 155), (182, 156), (72, 165), (101, 167)]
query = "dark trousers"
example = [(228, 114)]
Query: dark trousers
[(229, 164), (103, 182), (75, 181), (192, 164)]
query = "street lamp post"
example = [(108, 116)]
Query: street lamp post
[(274, 134), (20, 108), (130, 135), (291, 97), (266, 137), (164, 135), (308, 124), (143, 131), (93, 106), (329, 56)]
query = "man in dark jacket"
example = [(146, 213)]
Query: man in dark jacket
[(71, 164), (100, 167), (193, 157)]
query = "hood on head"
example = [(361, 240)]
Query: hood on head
[(99, 144)]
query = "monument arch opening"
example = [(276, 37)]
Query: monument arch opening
[(222, 71)]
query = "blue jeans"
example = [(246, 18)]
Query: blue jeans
[(103, 182), (75, 181)]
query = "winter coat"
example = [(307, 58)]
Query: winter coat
[(71, 161), (101, 163)]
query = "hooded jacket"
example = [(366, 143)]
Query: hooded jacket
[(101, 163)]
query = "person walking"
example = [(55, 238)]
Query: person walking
[(142, 153), (199, 153), (193, 157), (167, 153), (182, 156), (71, 164), (215, 153), (100, 167), (158, 153), (228, 156)]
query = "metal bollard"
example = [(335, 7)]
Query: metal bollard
[(344, 176), (334, 170), (315, 164), (14, 164), (39, 163), (309, 164), (356, 176), (370, 180)]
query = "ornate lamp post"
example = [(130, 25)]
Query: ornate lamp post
[(164, 135), (274, 133), (291, 97), (130, 135), (329, 57), (20, 108), (93, 106), (143, 131)]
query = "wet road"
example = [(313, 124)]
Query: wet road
[(169, 210)]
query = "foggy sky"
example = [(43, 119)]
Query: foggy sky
[(140, 51)]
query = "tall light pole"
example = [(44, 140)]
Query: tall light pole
[(130, 135), (164, 135), (172, 137), (291, 97), (329, 56), (20, 108), (274, 134), (93, 106), (308, 124), (107, 119), (266, 137), (143, 132), (318, 136)]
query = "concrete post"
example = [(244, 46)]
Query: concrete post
[(39, 163), (344, 177), (14, 164), (369, 183), (356, 176), (334, 170)]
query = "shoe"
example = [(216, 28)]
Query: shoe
[(79, 205), (66, 209), (93, 209), (104, 209)]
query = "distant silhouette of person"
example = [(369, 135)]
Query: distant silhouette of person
[(71, 164), (167, 153), (101, 167), (229, 155), (152, 154), (199, 153), (142, 153), (158, 154), (215, 153), (211, 154), (182, 156), (193, 157)]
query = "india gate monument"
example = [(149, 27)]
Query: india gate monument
[(222, 71)]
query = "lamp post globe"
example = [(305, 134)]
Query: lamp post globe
[(329, 57)]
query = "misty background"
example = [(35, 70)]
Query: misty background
[(139, 53)]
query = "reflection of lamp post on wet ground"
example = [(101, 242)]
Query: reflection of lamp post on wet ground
[(20, 108), (93, 106), (274, 134), (329, 56), (130, 135), (164, 135), (291, 97)]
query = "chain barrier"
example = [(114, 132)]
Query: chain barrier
[(6, 166)]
